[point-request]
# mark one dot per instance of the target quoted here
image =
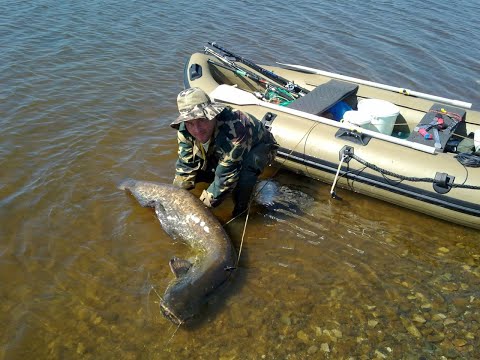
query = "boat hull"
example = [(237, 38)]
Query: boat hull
[(314, 149)]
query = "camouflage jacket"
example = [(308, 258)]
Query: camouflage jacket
[(234, 135)]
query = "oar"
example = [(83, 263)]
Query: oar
[(380, 86), (233, 95)]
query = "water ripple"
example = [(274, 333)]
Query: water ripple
[(88, 92)]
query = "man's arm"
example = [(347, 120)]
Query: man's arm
[(187, 164), (229, 166)]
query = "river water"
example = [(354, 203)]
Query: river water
[(87, 92)]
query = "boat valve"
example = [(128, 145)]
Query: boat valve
[(443, 182)]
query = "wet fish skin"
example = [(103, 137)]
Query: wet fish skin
[(184, 217)]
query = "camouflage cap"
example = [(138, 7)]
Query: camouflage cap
[(194, 103)]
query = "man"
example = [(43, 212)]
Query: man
[(224, 147)]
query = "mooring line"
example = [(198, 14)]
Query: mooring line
[(243, 235)]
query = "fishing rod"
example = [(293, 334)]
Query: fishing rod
[(283, 96), (237, 70), (241, 70), (287, 84)]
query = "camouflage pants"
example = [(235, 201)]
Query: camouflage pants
[(253, 164)]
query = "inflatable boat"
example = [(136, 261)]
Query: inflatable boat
[(411, 149)]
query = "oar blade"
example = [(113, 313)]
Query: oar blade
[(233, 95)]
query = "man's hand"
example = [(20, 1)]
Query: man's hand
[(206, 198), (187, 185)]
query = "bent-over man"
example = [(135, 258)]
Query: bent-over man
[(222, 146)]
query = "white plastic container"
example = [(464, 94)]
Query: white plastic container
[(383, 113), (476, 140), (359, 118)]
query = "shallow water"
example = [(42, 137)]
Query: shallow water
[(88, 90)]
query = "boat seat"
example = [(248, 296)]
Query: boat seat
[(326, 95), (452, 126)]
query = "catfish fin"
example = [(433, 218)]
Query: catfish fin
[(179, 267), (159, 210), (164, 221)]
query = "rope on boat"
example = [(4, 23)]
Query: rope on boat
[(407, 178)]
